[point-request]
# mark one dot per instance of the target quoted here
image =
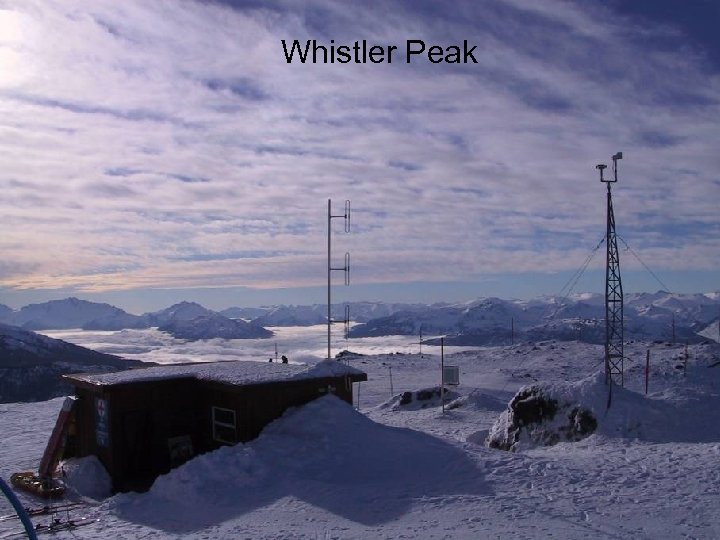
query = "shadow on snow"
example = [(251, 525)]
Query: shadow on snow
[(325, 454)]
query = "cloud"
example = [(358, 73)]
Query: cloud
[(169, 144)]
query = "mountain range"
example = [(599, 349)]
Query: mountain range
[(493, 321), (176, 319), (647, 316)]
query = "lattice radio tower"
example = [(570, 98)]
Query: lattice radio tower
[(345, 269), (614, 356)]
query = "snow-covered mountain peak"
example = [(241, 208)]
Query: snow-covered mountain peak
[(59, 314), (182, 311), (213, 326)]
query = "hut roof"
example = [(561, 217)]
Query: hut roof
[(239, 373)]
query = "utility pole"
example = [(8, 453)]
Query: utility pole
[(673, 329), (614, 356), (330, 269), (442, 373), (421, 354)]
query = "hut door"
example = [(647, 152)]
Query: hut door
[(136, 448)]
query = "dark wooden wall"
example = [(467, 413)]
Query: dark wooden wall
[(143, 416)]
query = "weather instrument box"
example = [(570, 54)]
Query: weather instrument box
[(451, 375)]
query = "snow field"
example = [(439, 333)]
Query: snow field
[(652, 470)]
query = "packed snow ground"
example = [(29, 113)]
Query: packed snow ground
[(326, 470)]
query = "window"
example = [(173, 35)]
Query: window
[(223, 424)]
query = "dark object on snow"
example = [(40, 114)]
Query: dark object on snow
[(542, 419), (530, 407), (284, 359), (346, 353), (426, 397)]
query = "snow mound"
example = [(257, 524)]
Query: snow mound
[(329, 368), (548, 413), (87, 477), (230, 468), (324, 453), (423, 398), (478, 401)]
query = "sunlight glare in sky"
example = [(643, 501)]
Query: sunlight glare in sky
[(15, 28)]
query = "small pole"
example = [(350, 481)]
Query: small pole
[(685, 360), (276, 354), (647, 370), (392, 392), (512, 331), (673, 329), (329, 269), (421, 355), (442, 373)]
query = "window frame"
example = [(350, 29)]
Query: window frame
[(223, 425)]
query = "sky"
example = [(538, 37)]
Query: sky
[(161, 151)]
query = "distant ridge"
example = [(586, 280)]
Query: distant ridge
[(484, 321), (31, 365), (492, 321)]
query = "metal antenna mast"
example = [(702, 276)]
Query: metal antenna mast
[(330, 269), (614, 356)]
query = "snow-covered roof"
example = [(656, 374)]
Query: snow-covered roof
[(239, 373)]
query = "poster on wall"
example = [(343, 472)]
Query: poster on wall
[(102, 434)]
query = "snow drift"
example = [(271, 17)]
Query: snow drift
[(548, 413), (325, 453), (86, 477)]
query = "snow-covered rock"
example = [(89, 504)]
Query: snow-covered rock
[(540, 416)]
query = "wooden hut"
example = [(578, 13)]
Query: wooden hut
[(142, 422)]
